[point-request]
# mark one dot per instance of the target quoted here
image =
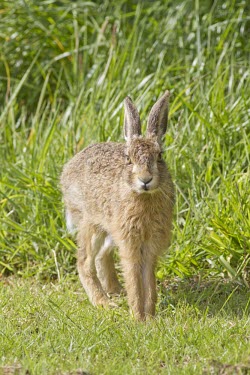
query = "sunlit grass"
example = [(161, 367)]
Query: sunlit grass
[(65, 70), (52, 329)]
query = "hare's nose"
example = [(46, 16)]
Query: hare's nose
[(146, 180)]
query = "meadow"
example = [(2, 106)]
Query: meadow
[(65, 69)]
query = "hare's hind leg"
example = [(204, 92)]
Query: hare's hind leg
[(89, 243), (106, 269)]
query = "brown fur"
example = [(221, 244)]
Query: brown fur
[(121, 195)]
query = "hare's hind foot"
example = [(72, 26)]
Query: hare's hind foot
[(94, 270), (115, 290), (104, 302), (105, 267)]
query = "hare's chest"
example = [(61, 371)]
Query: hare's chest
[(142, 223)]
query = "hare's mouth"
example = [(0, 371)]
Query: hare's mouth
[(146, 188), (142, 188)]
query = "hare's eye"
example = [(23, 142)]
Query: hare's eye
[(160, 156), (128, 160)]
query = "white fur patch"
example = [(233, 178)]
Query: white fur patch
[(69, 222), (107, 246), (75, 195)]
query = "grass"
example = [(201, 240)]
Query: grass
[(52, 329), (65, 90), (65, 68)]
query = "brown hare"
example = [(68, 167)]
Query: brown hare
[(122, 195)]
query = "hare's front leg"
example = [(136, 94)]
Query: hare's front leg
[(149, 283), (106, 269), (89, 243), (132, 269)]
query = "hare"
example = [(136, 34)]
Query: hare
[(122, 195)]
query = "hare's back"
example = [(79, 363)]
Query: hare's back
[(103, 157), (88, 179), (98, 161)]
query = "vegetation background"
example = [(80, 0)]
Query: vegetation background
[(65, 69)]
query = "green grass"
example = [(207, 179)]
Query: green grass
[(65, 69), (52, 329)]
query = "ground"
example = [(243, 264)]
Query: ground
[(51, 328)]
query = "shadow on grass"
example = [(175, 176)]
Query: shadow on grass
[(209, 297)]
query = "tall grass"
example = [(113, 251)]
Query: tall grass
[(65, 70)]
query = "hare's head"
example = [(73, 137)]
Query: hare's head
[(145, 167)]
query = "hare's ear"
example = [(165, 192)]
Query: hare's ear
[(132, 123), (158, 118)]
